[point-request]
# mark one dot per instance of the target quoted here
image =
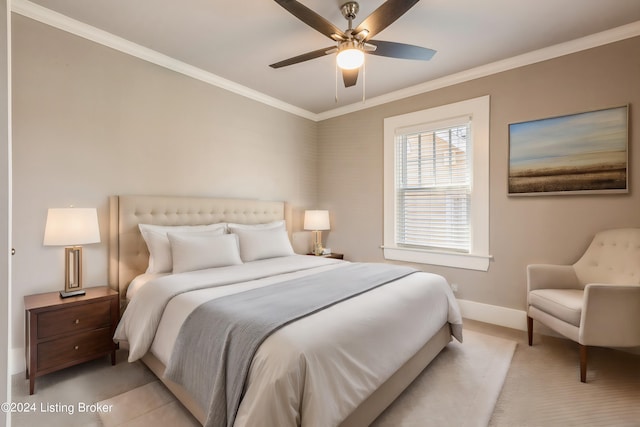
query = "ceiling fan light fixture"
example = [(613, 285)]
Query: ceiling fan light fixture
[(350, 58), (352, 44)]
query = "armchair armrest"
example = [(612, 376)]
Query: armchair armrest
[(548, 276), (610, 315)]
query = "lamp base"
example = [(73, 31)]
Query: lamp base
[(64, 294), (317, 243), (318, 249)]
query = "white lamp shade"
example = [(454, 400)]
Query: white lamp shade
[(350, 59), (316, 220), (71, 226)]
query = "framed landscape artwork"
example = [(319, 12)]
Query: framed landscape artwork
[(574, 154)]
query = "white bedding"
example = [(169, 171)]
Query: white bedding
[(316, 370), (140, 281)]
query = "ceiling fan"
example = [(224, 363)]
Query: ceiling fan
[(353, 43)]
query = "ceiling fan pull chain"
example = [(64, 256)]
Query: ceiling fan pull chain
[(336, 98), (364, 80)]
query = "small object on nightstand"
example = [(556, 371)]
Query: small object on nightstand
[(333, 255), (60, 333), (64, 294)]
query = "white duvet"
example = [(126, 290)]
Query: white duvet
[(317, 370)]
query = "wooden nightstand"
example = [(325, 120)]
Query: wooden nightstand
[(331, 255), (64, 332)]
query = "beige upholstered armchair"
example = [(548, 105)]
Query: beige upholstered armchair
[(596, 301)]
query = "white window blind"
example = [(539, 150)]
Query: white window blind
[(433, 187), (436, 185)]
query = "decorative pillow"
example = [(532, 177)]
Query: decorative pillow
[(157, 242), (197, 251), (261, 243)]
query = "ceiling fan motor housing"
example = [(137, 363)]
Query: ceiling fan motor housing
[(349, 11)]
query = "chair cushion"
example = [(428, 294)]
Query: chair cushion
[(565, 304)]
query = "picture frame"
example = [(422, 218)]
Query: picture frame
[(583, 153)]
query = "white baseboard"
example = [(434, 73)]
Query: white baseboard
[(494, 314), (510, 318)]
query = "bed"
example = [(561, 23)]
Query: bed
[(339, 366)]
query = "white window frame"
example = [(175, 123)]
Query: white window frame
[(477, 109)]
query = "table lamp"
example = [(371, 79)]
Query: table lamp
[(72, 227), (316, 221)]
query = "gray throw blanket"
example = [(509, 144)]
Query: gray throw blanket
[(218, 340)]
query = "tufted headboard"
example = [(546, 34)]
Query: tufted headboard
[(128, 254)]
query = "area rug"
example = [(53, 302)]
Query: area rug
[(543, 387), (459, 388)]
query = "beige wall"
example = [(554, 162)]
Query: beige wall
[(523, 230), (90, 122)]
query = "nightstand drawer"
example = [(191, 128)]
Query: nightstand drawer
[(87, 316), (76, 347)]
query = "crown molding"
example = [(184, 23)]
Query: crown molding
[(555, 51), (70, 25), (63, 22)]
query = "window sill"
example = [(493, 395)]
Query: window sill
[(447, 259)]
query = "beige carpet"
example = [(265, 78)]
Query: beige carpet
[(87, 383), (149, 405), (543, 388), (459, 388)]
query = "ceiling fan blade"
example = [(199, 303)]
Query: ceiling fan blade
[(304, 57), (312, 19), (401, 50), (350, 77), (383, 16)]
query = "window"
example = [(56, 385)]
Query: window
[(436, 185), (433, 188)]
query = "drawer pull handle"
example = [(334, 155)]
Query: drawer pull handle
[(76, 348), (77, 321)]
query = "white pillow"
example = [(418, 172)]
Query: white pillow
[(266, 226), (261, 243), (157, 242), (197, 251)]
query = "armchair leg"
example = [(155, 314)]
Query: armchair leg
[(530, 330), (583, 363)]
